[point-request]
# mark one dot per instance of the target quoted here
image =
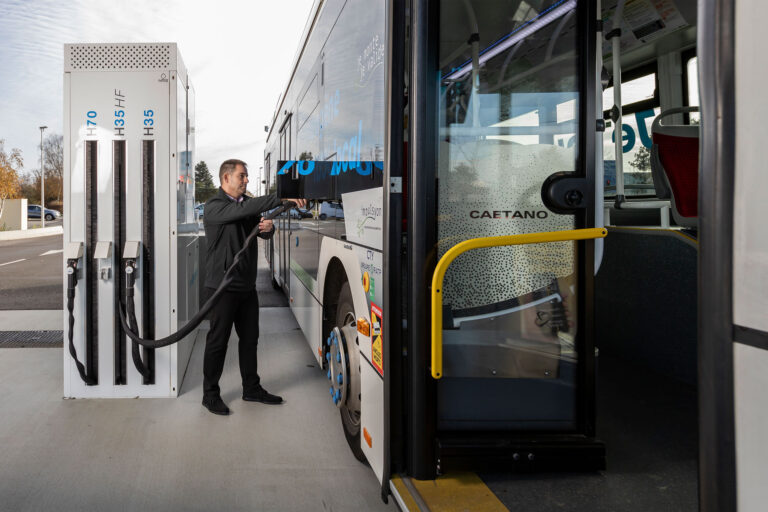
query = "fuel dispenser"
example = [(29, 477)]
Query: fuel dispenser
[(129, 224)]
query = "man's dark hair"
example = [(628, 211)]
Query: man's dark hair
[(229, 167)]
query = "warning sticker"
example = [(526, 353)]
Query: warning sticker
[(377, 343)]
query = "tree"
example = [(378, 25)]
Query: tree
[(10, 165), (642, 160), (204, 187), (29, 186), (53, 149)]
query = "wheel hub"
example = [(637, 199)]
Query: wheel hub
[(342, 370)]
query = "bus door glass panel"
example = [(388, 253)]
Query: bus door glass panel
[(353, 120), (283, 219), (640, 106), (277, 239), (305, 243), (267, 176), (506, 123)]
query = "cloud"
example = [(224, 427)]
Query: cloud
[(238, 54)]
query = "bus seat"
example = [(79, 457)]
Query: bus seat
[(675, 165)]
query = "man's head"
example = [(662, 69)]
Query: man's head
[(233, 175)]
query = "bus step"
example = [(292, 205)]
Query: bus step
[(484, 451)]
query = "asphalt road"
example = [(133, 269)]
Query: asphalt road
[(31, 273)]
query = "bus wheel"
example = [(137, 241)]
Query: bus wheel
[(344, 370)]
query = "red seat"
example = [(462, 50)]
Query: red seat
[(675, 161)]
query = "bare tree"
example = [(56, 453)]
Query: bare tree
[(53, 149)]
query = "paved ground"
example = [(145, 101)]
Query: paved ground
[(33, 223), (31, 273), (31, 320), (171, 454)]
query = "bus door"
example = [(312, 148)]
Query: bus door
[(283, 221), (514, 128)]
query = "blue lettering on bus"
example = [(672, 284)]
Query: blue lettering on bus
[(628, 133), (349, 159), (305, 167), (628, 137)]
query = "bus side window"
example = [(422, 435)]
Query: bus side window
[(640, 105), (692, 88)]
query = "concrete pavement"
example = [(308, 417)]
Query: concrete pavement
[(32, 320), (172, 454)]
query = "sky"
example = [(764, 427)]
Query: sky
[(238, 54)]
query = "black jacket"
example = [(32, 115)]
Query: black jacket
[(227, 224)]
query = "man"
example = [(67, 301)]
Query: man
[(229, 218)]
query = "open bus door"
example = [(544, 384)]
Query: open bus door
[(502, 131)]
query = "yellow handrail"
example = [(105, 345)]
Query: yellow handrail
[(479, 243)]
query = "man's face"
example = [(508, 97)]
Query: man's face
[(237, 182)]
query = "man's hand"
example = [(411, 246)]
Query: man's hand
[(265, 225), (300, 203)]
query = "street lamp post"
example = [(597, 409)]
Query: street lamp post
[(42, 179)]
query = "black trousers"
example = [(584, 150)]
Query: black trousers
[(240, 309)]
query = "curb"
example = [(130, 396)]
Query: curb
[(20, 234)]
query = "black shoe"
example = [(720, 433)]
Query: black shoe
[(216, 405), (261, 395)]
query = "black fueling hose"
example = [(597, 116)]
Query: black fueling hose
[(130, 279), (71, 287), (132, 330)]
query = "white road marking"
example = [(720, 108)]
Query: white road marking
[(14, 261), (54, 251)]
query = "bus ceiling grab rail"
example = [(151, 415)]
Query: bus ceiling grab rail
[(480, 243)]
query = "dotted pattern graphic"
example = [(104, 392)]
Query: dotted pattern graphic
[(499, 176), (119, 57)]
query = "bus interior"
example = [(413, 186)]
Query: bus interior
[(646, 287)]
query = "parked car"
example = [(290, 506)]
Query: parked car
[(298, 214), (330, 209), (33, 212), (199, 210)]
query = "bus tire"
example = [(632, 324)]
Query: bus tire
[(350, 419)]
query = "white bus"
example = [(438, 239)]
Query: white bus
[(444, 130)]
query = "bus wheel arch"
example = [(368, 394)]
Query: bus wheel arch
[(340, 334)]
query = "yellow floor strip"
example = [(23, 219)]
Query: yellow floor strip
[(661, 230), (458, 492), (405, 495)]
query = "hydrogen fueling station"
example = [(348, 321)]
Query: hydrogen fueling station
[(129, 147)]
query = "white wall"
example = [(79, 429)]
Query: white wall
[(14, 215)]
